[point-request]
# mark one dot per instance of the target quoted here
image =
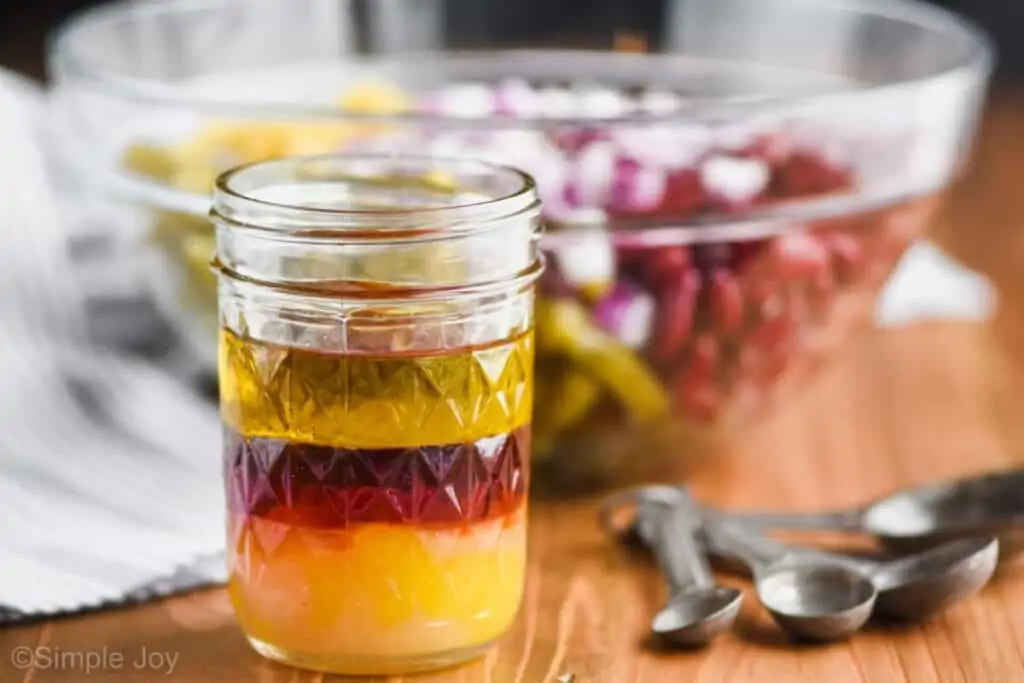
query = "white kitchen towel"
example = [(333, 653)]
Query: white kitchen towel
[(109, 467), (928, 284), (109, 471)]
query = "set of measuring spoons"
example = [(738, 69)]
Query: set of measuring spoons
[(956, 533)]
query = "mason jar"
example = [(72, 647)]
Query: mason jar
[(376, 381)]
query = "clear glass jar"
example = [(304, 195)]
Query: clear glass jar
[(376, 378)]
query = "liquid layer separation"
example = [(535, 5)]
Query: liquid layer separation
[(376, 502)]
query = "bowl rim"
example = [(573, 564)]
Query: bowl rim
[(64, 57)]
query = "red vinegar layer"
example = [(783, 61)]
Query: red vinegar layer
[(325, 487)]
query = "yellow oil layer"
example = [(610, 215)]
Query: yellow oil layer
[(393, 592), (375, 401)]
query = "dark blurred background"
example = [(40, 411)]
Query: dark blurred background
[(23, 25)]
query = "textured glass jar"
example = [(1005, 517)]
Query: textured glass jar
[(376, 377)]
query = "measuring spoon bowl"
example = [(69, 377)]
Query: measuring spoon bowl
[(812, 598), (917, 586), (913, 587), (698, 609), (695, 617), (816, 601)]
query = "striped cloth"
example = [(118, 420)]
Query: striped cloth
[(109, 469)]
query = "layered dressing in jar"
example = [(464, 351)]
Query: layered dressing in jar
[(376, 373)]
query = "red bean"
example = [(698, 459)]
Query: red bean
[(749, 360), (726, 301), (705, 355), (796, 304), (675, 315), (764, 359), (632, 254), (773, 334), (666, 265), (821, 291), (847, 254), (805, 174), (684, 195), (762, 293), (823, 280), (745, 256), (694, 388), (700, 402)]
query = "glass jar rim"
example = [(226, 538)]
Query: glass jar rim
[(458, 223), (236, 203)]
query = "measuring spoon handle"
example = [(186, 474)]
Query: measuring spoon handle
[(673, 528), (728, 537), (838, 520)]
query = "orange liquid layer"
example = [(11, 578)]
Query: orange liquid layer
[(376, 590)]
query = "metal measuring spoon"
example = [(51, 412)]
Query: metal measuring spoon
[(811, 598), (918, 518), (913, 587), (917, 586), (698, 609)]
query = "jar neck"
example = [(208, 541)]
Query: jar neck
[(339, 223)]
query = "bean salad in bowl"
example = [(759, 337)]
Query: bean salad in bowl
[(719, 215)]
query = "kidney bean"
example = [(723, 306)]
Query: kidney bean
[(804, 174), (713, 255), (773, 334), (821, 291), (700, 401), (705, 356), (846, 252), (799, 305), (761, 366), (631, 254), (744, 255), (725, 301), (763, 293), (823, 277), (694, 389), (666, 265), (684, 195), (676, 309)]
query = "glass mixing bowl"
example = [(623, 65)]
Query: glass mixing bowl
[(722, 206)]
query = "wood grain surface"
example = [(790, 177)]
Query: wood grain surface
[(899, 407)]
